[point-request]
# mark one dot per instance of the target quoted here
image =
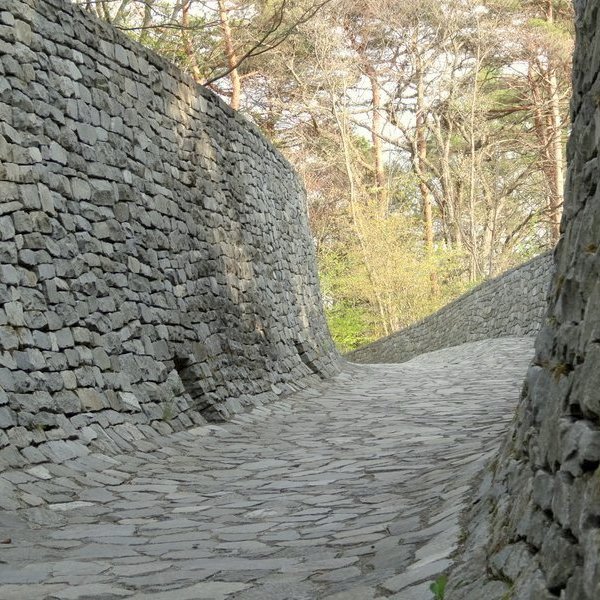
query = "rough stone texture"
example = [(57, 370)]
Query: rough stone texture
[(156, 265), (512, 304), (536, 527)]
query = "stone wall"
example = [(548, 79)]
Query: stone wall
[(156, 267), (512, 304), (536, 528)]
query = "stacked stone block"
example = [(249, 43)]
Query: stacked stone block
[(512, 304), (156, 267)]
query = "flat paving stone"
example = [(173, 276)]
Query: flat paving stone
[(350, 490)]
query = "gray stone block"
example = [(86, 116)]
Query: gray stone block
[(91, 400), (9, 275), (30, 359), (7, 230), (8, 417), (8, 338)]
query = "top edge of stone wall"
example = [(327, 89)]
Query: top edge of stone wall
[(540, 258), (117, 37)]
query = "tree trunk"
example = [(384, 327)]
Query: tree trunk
[(474, 270), (232, 59), (105, 11), (187, 41), (148, 5), (449, 198), (421, 158), (554, 148), (421, 164), (376, 131), (557, 159)]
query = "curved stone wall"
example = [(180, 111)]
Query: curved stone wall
[(535, 528), (156, 267), (512, 304)]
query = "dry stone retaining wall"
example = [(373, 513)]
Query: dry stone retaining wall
[(535, 531), (156, 267), (512, 304)]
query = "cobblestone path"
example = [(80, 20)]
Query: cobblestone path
[(347, 492)]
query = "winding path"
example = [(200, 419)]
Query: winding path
[(351, 491)]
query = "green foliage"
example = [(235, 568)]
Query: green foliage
[(350, 326), (559, 29), (438, 587), (561, 370), (379, 279), (168, 411)]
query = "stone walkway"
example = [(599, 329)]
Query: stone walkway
[(347, 492)]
